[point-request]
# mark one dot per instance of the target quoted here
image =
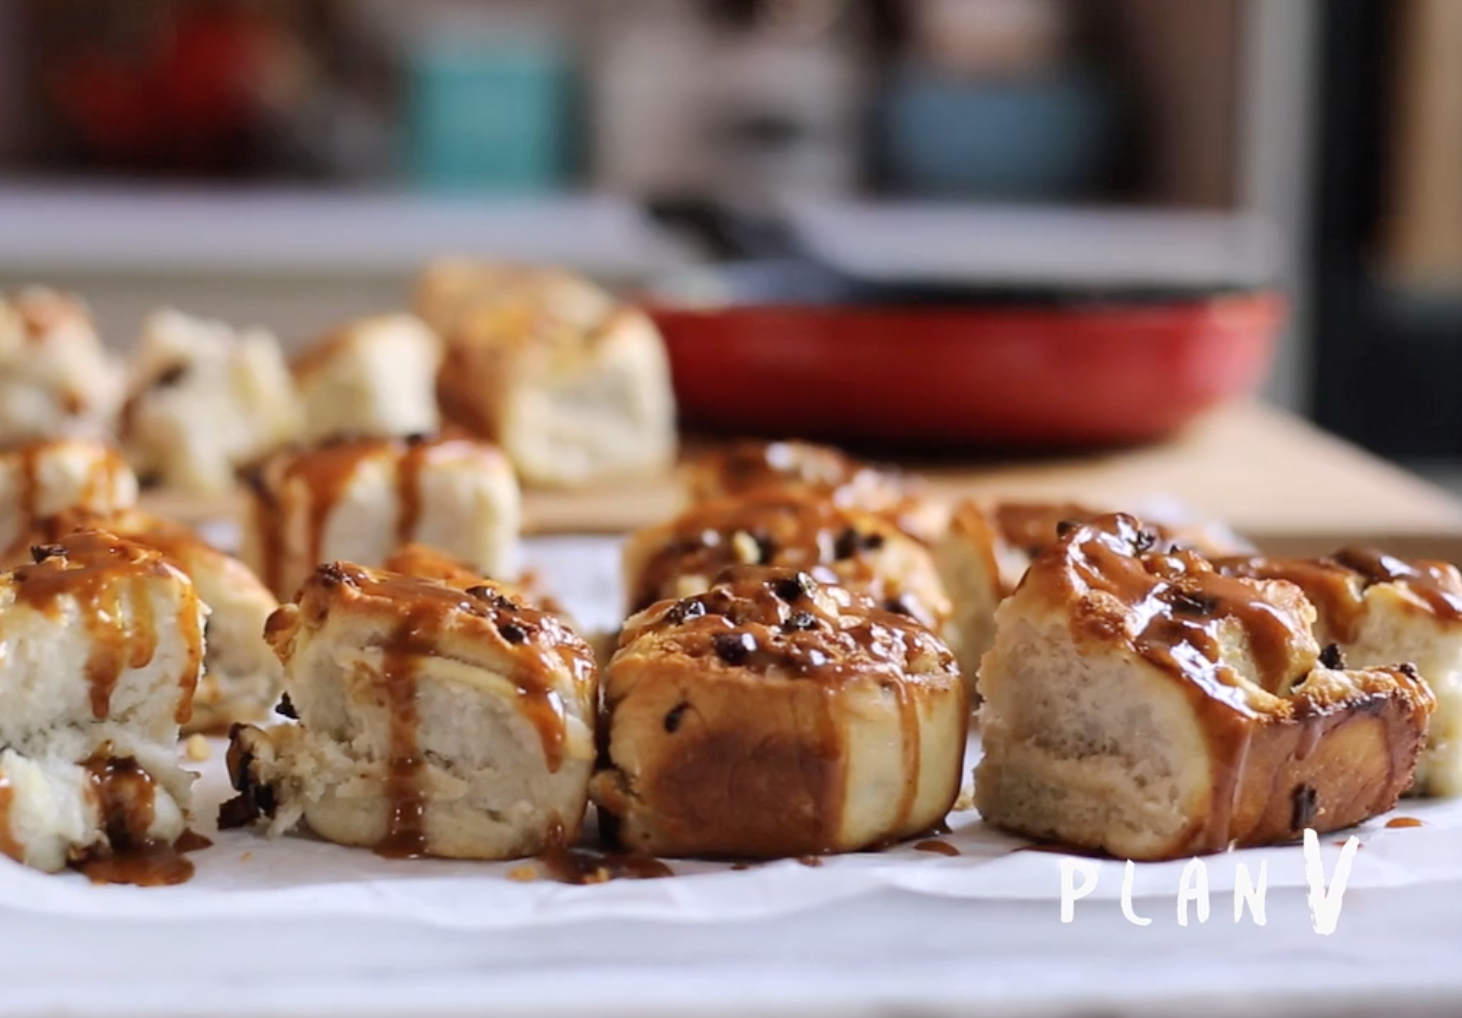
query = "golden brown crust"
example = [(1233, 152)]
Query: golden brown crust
[(484, 621), (1288, 744), (773, 528), (406, 628), (744, 467), (738, 722)]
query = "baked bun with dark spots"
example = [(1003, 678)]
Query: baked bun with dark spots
[(432, 720), (821, 470), (1139, 702), (988, 546), (1376, 609), (774, 715), (838, 544)]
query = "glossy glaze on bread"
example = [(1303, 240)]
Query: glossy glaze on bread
[(1140, 702)]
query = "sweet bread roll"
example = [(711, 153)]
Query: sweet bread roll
[(49, 476), (103, 646), (206, 400), (771, 528), (819, 470), (372, 377), (450, 287), (432, 720), (1140, 703), (427, 563), (989, 545), (574, 386), (241, 675), (358, 499), (56, 378), (1379, 610), (774, 715)]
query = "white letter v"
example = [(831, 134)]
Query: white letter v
[(1325, 905)]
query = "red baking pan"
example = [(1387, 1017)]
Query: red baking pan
[(1115, 329)]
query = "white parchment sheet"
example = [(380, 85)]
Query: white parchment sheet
[(245, 875)]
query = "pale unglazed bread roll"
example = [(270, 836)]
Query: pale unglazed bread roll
[(357, 500), (44, 477), (103, 648), (205, 400), (989, 545), (1139, 703), (574, 386), (1380, 610), (56, 377), (241, 675), (432, 720), (371, 377), (820, 470), (777, 716), (837, 543)]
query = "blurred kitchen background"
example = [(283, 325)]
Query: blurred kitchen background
[(294, 163)]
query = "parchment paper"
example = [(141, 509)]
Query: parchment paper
[(247, 875)]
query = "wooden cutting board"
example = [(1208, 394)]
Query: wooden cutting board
[(1283, 483)]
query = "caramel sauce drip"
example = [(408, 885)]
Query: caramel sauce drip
[(1182, 606), (429, 611), (8, 844), (1184, 602), (100, 480), (569, 865), (1032, 526), (406, 821), (326, 472), (109, 579), (126, 800), (191, 841), (408, 489), (1337, 584), (936, 846), (1404, 822)]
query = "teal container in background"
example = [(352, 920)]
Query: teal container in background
[(489, 115)]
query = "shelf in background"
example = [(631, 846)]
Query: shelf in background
[(104, 228)]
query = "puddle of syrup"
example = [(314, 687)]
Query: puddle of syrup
[(1404, 822), (936, 846), (155, 866), (583, 866), (191, 841)]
